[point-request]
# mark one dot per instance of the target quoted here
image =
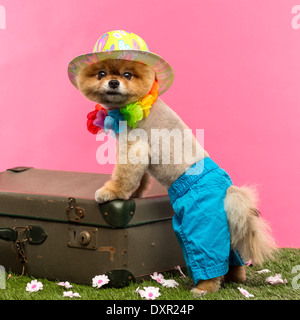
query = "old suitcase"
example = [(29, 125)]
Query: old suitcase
[(51, 225)]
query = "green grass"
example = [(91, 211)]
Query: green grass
[(284, 262)]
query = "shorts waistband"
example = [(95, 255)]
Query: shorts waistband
[(188, 178)]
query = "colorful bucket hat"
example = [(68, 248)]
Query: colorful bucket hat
[(124, 45)]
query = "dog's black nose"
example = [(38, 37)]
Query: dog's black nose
[(114, 84)]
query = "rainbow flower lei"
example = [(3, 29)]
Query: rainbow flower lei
[(132, 113)]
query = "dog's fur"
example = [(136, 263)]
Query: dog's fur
[(249, 233)]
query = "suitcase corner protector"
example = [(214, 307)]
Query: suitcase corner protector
[(118, 213)]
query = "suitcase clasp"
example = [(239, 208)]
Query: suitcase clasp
[(74, 213)]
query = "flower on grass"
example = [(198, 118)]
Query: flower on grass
[(149, 293), (66, 284), (170, 283), (263, 271), (166, 283), (157, 277), (99, 281), (245, 293), (34, 286), (70, 294), (276, 279)]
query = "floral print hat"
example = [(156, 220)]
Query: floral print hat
[(119, 44)]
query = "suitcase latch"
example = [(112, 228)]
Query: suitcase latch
[(74, 213), (82, 237)]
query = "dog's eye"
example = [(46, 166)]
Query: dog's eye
[(101, 75), (127, 75)]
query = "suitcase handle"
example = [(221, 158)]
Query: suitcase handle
[(34, 234), (8, 234), (18, 169)]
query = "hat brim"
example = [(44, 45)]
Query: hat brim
[(164, 72)]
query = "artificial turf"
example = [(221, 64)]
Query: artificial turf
[(285, 263)]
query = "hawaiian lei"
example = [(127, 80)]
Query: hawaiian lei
[(100, 118)]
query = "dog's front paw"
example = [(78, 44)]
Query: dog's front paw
[(104, 194)]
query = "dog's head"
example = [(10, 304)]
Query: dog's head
[(115, 83)]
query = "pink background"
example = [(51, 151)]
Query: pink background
[(237, 76)]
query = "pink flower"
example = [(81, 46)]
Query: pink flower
[(100, 117), (245, 293), (276, 279), (149, 293), (66, 284), (70, 294), (157, 277), (166, 283), (34, 286), (99, 281)]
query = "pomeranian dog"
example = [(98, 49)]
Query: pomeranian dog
[(113, 84)]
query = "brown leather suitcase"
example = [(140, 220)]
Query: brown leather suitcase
[(51, 225)]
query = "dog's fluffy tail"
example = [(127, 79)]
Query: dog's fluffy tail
[(250, 235)]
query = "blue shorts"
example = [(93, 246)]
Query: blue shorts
[(200, 221)]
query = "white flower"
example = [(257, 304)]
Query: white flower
[(166, 283), (157, 277), (66, 284), (149, 293), (34, 286), (170, 283), (245, 293), (70, 294), (99, 281), (263, 271), (276, 279)]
